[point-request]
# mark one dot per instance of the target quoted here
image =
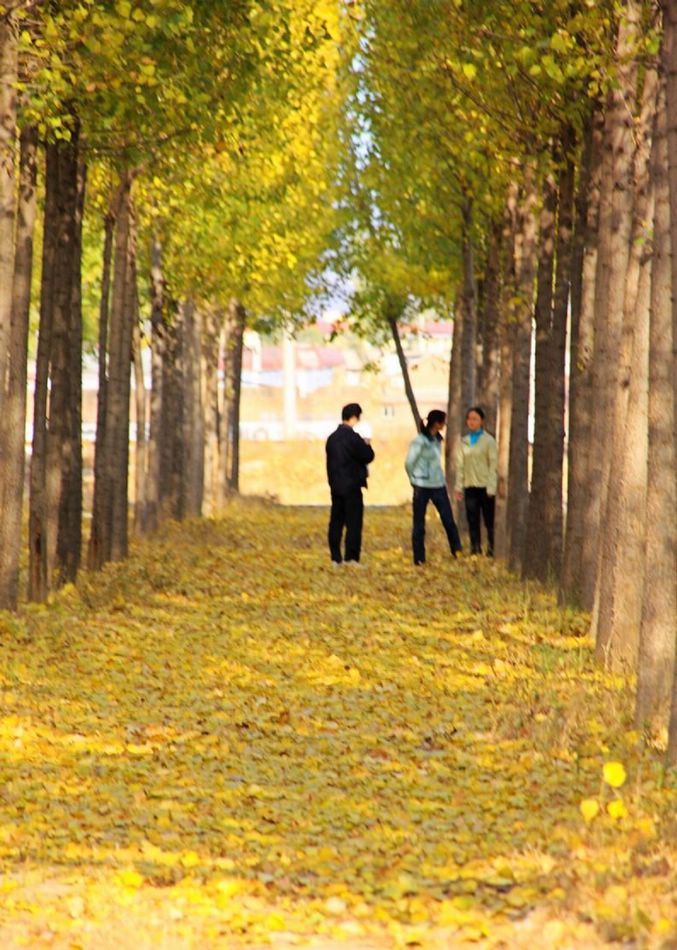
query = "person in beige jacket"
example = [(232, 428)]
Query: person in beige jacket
[(476, 479)]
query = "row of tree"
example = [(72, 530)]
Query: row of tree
[(526, 180), (509, 165), (192, 148)]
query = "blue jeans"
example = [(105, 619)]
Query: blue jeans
[(440, 499)]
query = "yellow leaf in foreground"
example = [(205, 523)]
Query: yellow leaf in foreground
[(190, 859), (275, 921), (617, 809), (229, 887), (130, 878), (614, 774), (647, 827), (76, 906), (589, 808), (137, 748)]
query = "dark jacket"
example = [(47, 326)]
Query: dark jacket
[(347, 458)]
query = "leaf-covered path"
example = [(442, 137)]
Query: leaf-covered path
[(225, 742)]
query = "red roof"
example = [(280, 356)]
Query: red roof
[(307, 357)]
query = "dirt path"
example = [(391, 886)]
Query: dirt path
[(225, 743)]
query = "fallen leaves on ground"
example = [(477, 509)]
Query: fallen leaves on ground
[(224, 742)]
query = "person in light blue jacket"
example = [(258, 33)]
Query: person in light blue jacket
[(424, 468)]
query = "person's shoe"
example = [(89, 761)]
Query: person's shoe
[(337, 563), (354, 564), (419, 563)]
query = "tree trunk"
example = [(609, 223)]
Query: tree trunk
[(212, 418), (560, 317), (507, 297), (454, 404), (232, 382), (404, 368), (193, 425), (489, 384), (65, 423), (171, 475), (123, 314), (140, 449), (38, 524), (55, 517), (518, 470), (622, 535), (659, 608), (468, 300), (613, 249), (536, 561), (14, 400), (95, 554), (670, 59), (657, 673), (543, 554), (8, 112), (573, 580), (158, 345), (113, 528), (659, 603)]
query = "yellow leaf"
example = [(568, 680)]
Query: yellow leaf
[(76, 906), (228, 887), (135, 748), (614, 774), (130, 878), (589, 808), (275, 921), (617, 809), (647, 827), (190, 859)]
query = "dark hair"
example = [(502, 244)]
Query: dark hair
[(351, 410), (434, 416), (478, 410)]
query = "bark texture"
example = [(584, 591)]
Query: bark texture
[(615, 221), (13, 400), (8, 141), (489, 376), (236, 318), (621, 568), (542, 556), (518, 471), (656, 684), (157, 345), (659, 608), (573, 579)]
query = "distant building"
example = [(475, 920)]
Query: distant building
[(315, 366)]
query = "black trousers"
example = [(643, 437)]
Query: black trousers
[(479, 505), (347, 511), (440, 499)]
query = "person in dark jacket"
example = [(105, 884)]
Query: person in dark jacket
[(348, 455)]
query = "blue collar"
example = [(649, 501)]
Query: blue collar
[(474, 436)]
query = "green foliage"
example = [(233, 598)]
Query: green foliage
[(451, 101), (230, 114)]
